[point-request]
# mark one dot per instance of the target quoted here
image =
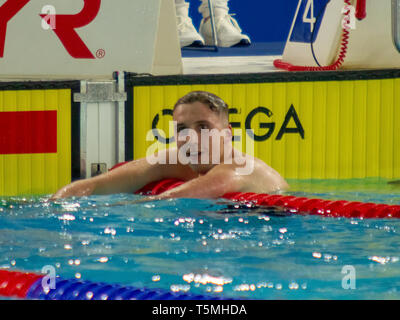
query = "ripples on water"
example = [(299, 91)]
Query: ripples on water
[(208, 246)]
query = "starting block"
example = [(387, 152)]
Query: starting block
[(86, 39), (352, 34)]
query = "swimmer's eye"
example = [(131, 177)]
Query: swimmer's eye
[(203, 126)]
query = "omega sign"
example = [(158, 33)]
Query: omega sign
[(66, 25), (270, 127)]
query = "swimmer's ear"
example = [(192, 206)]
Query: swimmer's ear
[(229, 132)]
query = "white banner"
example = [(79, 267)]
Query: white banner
[(85, 39)]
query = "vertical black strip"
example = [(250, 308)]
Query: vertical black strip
[(75, 137), (129, 123)]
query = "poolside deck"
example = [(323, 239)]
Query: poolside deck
[(226, 65)]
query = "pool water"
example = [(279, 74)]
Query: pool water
[(211, 246)]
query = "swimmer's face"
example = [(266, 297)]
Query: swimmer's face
[(201, 134)]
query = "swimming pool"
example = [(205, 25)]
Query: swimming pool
[(211, 246)]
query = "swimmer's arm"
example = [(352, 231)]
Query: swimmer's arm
[(214, 184), (224, 179), (125, 179)]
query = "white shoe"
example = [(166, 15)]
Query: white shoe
[(227, 29), (188, 35)]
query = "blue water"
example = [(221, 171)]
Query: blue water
[(207, 246)]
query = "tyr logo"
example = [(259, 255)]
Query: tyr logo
[(66, 25)]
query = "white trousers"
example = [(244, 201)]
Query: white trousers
[(203, 8)]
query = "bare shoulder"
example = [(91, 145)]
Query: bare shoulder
[(261, 178), (249, 174)]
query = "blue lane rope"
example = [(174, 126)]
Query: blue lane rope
[(73, 289)]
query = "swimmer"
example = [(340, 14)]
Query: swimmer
[(208, 163)]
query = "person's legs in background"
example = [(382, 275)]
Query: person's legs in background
[(188, 35), (227, 29)]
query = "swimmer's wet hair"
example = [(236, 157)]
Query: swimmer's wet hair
[(214, 102)]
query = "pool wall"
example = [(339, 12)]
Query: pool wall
[(39, 136), (335, 125)]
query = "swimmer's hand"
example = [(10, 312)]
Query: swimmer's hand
[(127, 178), (137, 201), (141, 200), (213, 185), (78, 188)]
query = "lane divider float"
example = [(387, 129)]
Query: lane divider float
[(293, 204), (24, 285)]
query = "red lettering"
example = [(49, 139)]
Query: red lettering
[(66, 25), (7, 11), (65, 28)]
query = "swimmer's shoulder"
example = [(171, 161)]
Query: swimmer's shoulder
[(264, 178), (277, 181)]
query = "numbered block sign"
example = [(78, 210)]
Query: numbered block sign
[(315, 32), (315, 37), (308, 20), (87, 38), (396, 23)]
